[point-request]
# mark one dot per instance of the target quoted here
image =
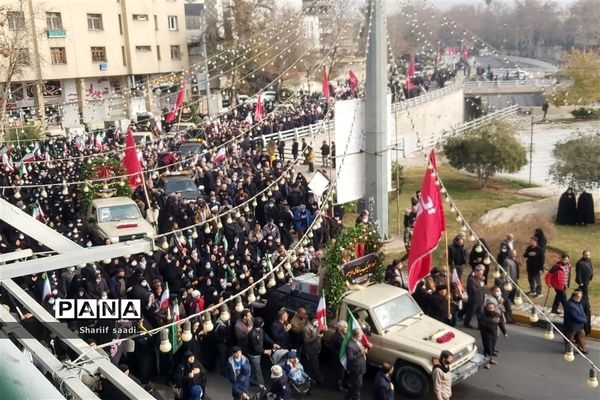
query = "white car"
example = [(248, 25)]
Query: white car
[(269, 95)]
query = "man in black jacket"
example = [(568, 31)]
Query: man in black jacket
[(356, 355), (584, 272), (475, 293), (457, 254), (257, 341), (383, 389), (534, 255)]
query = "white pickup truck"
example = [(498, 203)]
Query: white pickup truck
[(400, 332), (117, 219)]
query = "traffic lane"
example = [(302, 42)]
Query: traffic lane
[(530, 367)]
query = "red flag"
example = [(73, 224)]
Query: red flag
[(410, 72), (258, 113), (131, 160), (353, 80), (429, 225), (178, 103), (326, 86)]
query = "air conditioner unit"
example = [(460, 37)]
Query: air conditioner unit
[(141, 18)]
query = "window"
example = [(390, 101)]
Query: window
[(172, 22), (58, 55), (143, 49), (54, 21), (120, 24), (155, 23), (193, 22), (124, 55), (158, 52), (94, 22), (140, 17), (175, 53), (22, 57), (16, 20), (98, 54)]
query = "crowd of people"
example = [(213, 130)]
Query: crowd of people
[(490, 303), (209, 266)]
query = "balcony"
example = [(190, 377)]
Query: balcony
[(56, 33)]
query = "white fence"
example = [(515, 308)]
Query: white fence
[(509, 84)]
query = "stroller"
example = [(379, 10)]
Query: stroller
[(299, 380)]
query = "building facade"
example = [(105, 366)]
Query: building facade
[(97, 61)]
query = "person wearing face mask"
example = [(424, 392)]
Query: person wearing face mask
[(64, 282), (488, 324), (118, 285), (97, 286)]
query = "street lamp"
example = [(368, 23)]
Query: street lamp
[(530, 147)]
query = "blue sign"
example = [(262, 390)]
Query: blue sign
[(103, 67)]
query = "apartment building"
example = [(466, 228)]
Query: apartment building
[(97, 60)]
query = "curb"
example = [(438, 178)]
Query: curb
[(523, 318)]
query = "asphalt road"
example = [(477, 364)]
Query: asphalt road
[(529, 367)]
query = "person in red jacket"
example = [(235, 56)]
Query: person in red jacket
[(560, 279)]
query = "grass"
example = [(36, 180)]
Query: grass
[(474, 202)]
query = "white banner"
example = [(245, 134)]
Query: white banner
[(349, 128)]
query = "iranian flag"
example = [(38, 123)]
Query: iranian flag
[(429, 225), (258, 113), (174, 330), (249, 118), (164, 298), (30, 156), (7, 162), (352, 325), (171, 115), (220, 156), (132, 161), (46, 289), (321, 314), (38, 213)]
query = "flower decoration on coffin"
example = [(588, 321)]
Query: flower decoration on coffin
[(441, 336)]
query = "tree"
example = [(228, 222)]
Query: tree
[(584, 70), (577, 162), (486, 150), (17, 36), (583, 20)]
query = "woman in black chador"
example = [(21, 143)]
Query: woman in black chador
[(585, 209), (567, 209)]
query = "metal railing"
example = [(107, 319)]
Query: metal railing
[(435, 94), (522, 83), (407, 148)]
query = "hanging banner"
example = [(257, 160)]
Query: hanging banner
[(358, 271)]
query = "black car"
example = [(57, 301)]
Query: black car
[(184, 185), (190, 147)]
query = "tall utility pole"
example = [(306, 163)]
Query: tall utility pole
[(205, 54), (376, 113)]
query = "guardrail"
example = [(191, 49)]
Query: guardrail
[(317, 128), (523, 83), (434, 138), (415, 101)]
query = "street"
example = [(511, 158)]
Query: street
[(529, 367)]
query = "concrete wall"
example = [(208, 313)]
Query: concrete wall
[(427, 120)]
